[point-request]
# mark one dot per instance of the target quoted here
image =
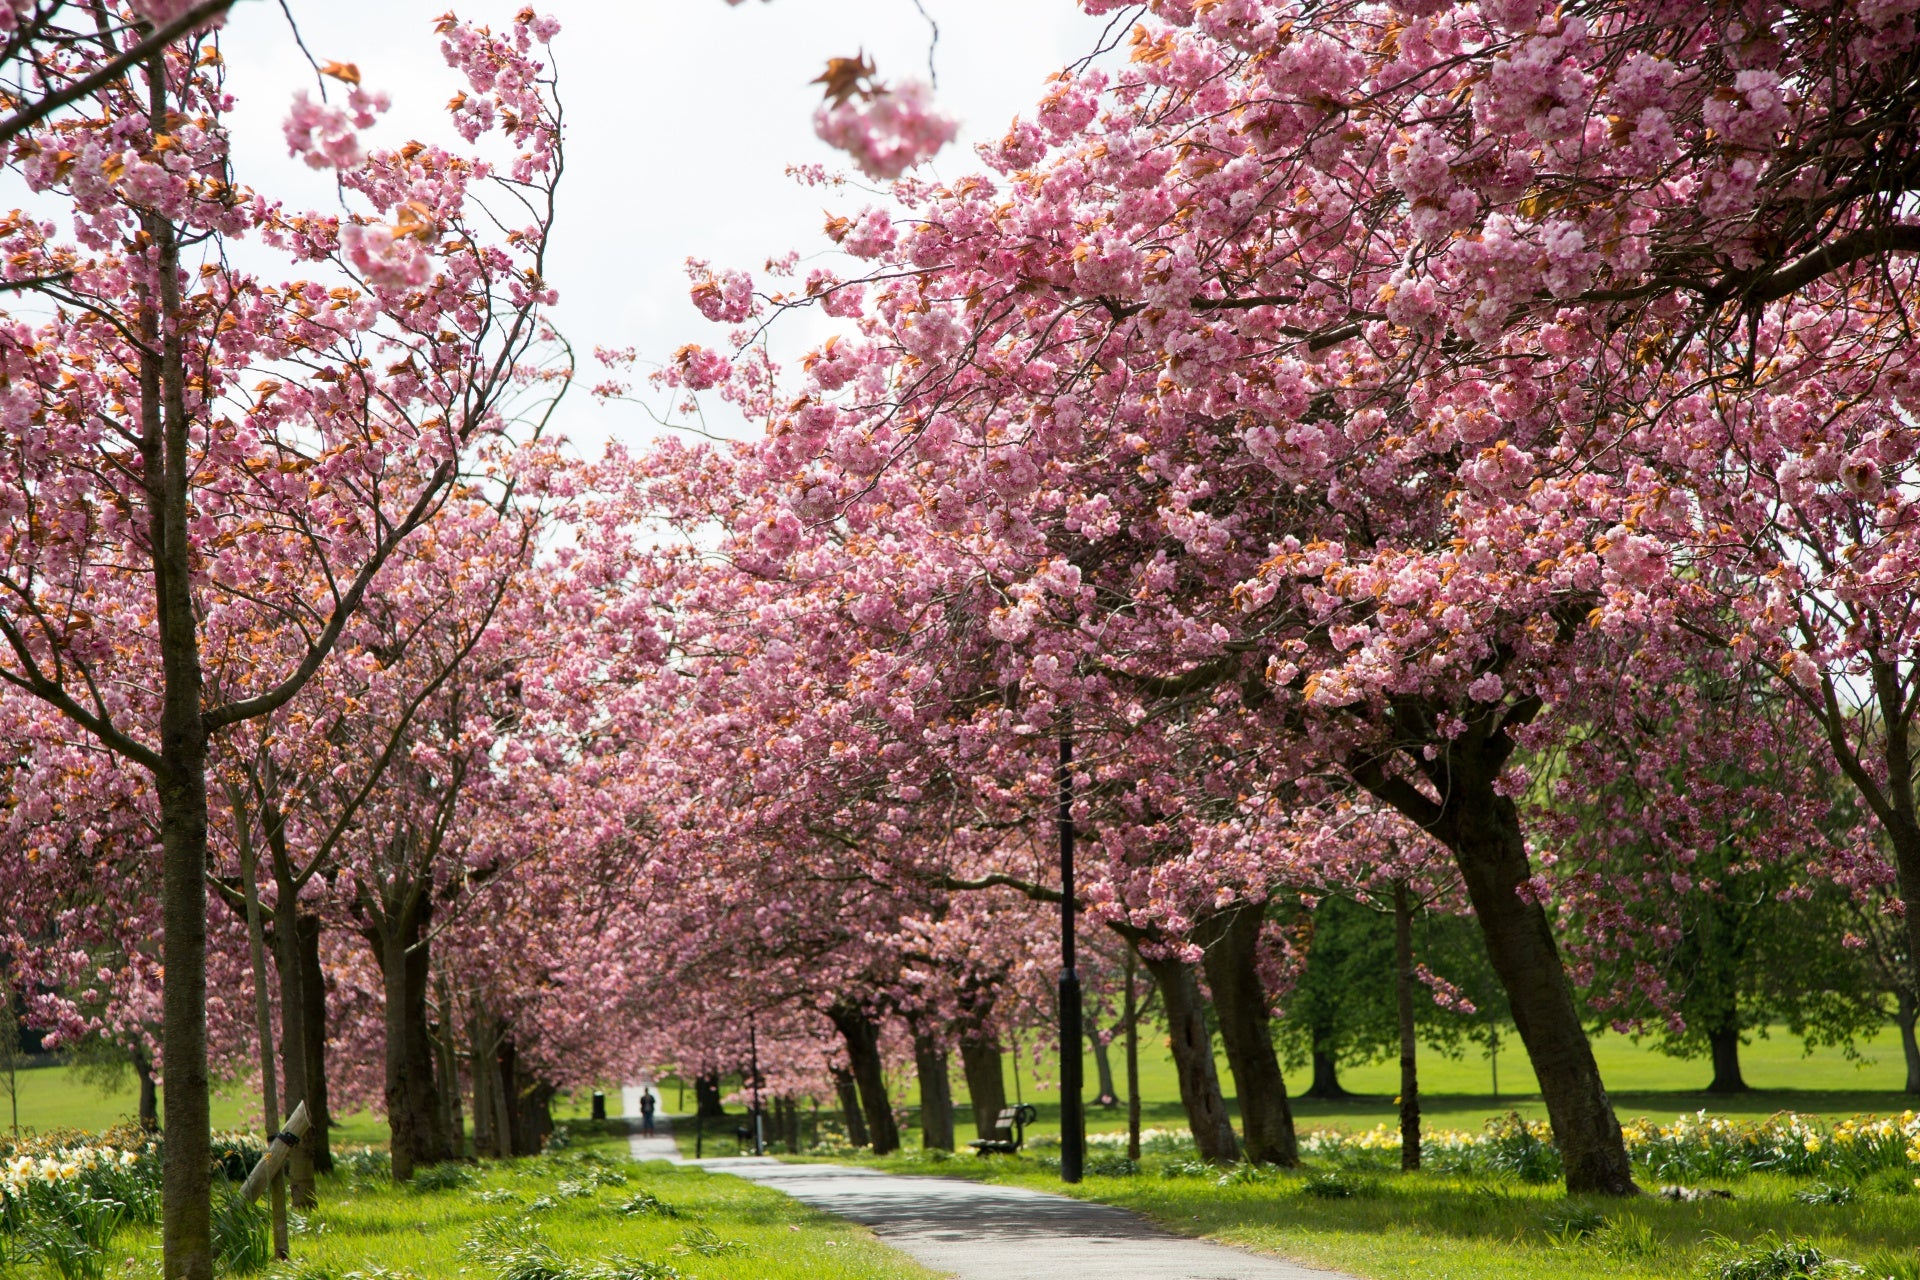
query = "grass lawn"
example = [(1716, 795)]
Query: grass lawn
[(564, 1211), (54, 1098), (1457, 1094), (1391, 1226)]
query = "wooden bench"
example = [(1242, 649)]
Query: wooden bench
[(1009, 1131)]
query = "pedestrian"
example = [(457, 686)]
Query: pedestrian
[(646, 1113)]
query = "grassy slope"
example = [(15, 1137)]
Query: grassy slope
[(368, 1223)]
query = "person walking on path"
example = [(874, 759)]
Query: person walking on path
[(646, 1114)]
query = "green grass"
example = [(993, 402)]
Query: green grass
[(720, 1226), (1424, 1226), (54, 1097), (1457, 1093)]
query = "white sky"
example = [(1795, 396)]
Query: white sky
[(682, 116)]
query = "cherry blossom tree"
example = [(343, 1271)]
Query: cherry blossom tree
[(160, 502)]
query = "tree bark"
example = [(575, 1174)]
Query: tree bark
[(313, 995), (862, 1035), (452, 1121), (180, 777), (1906, 1012), (706, 1097), (480, 1068), (293, 1019), (1482, 829), (849, 1095), (936, 1092), (149, 1095), (413, 1101), (985, 1069), (1724, 1044), (1409, 1040), (1193, 1065), (1326, 1076), (1232, 962), (533, 1114), (506, 1105), (1103, 1067)]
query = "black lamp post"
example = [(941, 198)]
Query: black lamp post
[(1073, 1129), (753, 1052)]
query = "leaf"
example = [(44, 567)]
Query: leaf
[(346, 72), (843, 76)]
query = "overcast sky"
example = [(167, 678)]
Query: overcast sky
[(682, 117)]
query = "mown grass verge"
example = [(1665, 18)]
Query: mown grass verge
[(1378, 1223), (582, 1213)]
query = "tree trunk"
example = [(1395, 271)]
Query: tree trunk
[(506, 1105), (1905, 1014), (1326, 1076), (936, 1092), (149, 1095), (1482, 830), (985, 1069), (1409, 1041), (1103, 1068), (313, 994), (533, 1114), (180, 775), (862, 1035), (451, 1119), (1232, 963), (1724, 1044), (413, 1101), (293, 1022), (706, 1097), (480, 1068), (1193, 1060), (849, 1096), (262, 1012), (1133, 1061)]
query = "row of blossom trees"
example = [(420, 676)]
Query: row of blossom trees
[(1451, 457)]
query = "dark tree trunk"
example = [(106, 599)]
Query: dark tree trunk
[(793, 1126), (1482, 829), (452, 1121), (1724, 1043), (293, 1014), (936, 1092), (313, 992), (480, 1066), (1232, 961), (1192, 1049), (149, 1095), (532, 1114), (1326, 1076), (1409, 1040), (1103, 1068), (706, 1097), (985, 1069), (862, 1036), (1905, 1014), (506, 1097), (180, 775), (849, 1095), (412, 1098)]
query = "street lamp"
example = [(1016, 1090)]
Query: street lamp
[(753, 1053), (1073, 1136)]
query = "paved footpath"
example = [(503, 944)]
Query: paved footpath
[(978, 1231)]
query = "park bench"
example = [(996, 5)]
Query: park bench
[(1009, 1131)]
